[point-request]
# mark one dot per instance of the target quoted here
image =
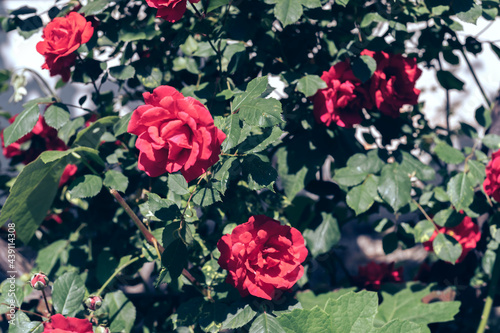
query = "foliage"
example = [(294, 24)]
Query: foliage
[(405, 181)]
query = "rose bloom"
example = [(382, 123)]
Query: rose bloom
[(175, 133), (393, 83), (341, 102), (170, 10), (373, 275), (60, 324), (262, 256), (62, 37), (491, 184), (466, 233)]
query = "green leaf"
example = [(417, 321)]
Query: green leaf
[(206, 196), (68, 293), (469, 16), (91, 136), (423, 231), (56, 155), (495, 49), (492, 141), (448, 218), (308, 300), (255, 88), (370, 18), (121, 126), (259, 172), (224, 173), (407, 305), (163, 209), (85, 187), (214, 4), (306, 321), (447, 248), (324, 237), (362, 197), (31, 196), (477, 170), (22, 324), (460, 191), (94, 7), (449, 81), (174, 259), (363, 67), (56, 115), (261, 112), (288, 11), (349, 176), (258, 143), (233, 132), (238, 318), (151, 79), (399, 326), (177, 183), (310, 84), (48, 256), (448, 154), (23, 124), (121, 312), (353, 312), (122, 72), (116, 180), (411, 165), (394, 186), (342, 2)]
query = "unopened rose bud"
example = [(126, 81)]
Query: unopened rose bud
[(102, 329), (39, 281), (93, 302)]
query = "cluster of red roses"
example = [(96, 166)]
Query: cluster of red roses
[(391, 86)]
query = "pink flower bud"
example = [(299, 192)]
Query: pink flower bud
[(39, 281), (93, 302)]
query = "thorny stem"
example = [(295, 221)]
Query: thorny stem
[(118, 270), (152, 240), (42, 80), (491, 293)]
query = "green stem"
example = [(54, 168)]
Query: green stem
[(491, 293), (486, 99), (42, 80), (118, 270)]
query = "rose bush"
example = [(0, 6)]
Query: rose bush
[(60, 324), (175, 133), (61, 38), (262, 256)]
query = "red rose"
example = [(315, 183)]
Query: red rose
[(39, 281), (60, 324), (491, 184), (393, 83), (373, 275), (341, 102), (170, 10), (175, 133), (69, 171), (42, 137), (62, 37), (466, 233), (261, 256)]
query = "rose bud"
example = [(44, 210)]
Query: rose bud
[(39, 281), (102, 329), (93, 302)]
